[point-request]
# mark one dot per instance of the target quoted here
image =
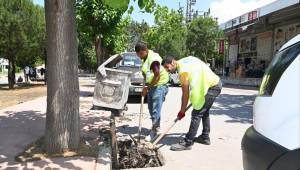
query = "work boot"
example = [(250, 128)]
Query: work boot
[(182, 145), (203, 140), (157, 130), (151, 136)]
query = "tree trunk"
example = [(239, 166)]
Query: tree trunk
[(11, 72), (45, 73), (104, 53), (62, 117), (98, 50)]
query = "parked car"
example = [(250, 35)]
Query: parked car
[(37, 73), (273, 142), (131, 62)]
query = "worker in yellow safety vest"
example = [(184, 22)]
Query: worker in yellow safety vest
[(156, 78), (201, 85)]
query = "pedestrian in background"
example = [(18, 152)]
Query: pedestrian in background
[(26, 72)]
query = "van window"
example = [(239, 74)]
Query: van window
[(277, 67)]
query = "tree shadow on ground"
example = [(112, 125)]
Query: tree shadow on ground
[(83, 93), (16, 130), (93, 121), (132, 130), (19, 129), (135, 100), (237, 107), (170, 139), (58, 163)]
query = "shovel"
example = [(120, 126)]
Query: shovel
[(149, 148), (141, 116), (158, 138)]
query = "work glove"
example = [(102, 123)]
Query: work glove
[(180, 115)]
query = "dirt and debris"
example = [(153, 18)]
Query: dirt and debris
[(131, 156)]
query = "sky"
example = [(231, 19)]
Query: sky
[(224, 10)]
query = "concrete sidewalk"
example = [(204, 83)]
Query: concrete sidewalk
[(22, 124)]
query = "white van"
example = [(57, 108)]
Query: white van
[(273, 142)]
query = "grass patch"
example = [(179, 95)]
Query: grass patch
[(20, 94), (36, 150)]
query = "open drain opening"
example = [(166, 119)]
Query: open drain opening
[(126, 155), (130, 156)]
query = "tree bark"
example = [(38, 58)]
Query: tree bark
[(45, 73), (11, 72), (62, 117), (98, 50)]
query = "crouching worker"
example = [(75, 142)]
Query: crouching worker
[(201, 85)]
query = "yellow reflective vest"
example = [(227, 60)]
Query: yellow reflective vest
[(200, 78), (164, 76)]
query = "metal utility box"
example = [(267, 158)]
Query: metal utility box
[(112, 85)]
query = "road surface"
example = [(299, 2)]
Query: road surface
[(231, 115)]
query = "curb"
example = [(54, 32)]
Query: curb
[(103, 161), (105, 153)]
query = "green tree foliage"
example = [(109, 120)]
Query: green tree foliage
[(203, 37), (168, 35), (136, 31), (144, 5), (86, 47), (86, 54), (34, 53), (22, 34), (120, 36), (100, 24)]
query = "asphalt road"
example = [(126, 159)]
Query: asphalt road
[(231, 115)]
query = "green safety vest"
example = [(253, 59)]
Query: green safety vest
[(164, 76), (201, 78)]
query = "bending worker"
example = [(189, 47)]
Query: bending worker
[(202, 86), (156, 78)]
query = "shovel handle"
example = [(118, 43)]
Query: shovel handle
[(168, 129), (141, 115)]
